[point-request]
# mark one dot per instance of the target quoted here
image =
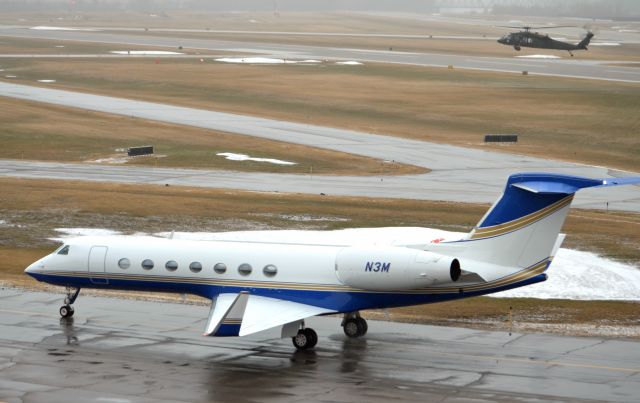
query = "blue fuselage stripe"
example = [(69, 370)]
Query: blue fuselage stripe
[(339, 301)]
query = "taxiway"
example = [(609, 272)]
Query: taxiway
[(130, 350), (457, 173), (588, 69)]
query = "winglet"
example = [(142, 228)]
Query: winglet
[(226, 314)]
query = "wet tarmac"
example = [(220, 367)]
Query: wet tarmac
[(117, 350)]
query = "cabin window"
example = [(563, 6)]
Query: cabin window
[(195, 267), (244, 269), (147, 264), (220, 268), (270, 270), (64, 250), (171, 265), (124, 263)]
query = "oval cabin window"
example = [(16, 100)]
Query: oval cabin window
[(195, 267), (147, 264), (171, 265), (124, 263), (220, 268), (270, 270), (244, 269)]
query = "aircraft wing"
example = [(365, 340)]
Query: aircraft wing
[(243, 314)]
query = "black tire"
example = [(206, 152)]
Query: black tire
[(312, 336), (352, 327), (65, 311), (363, 325), (71, 311), (301, 340)]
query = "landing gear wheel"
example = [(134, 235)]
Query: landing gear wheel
[(305, 339), (353, 327), (363, 325), (66, 311), (312, 336)]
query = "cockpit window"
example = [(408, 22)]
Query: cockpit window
[(64, 250)]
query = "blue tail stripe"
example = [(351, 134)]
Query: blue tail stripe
[(517, 203)]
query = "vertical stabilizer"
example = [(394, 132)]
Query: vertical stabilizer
[(522, 228)]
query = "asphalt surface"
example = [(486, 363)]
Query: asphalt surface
[(597, 70), (458, 174), (116, 350)]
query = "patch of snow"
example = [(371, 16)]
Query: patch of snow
[(59, 46), (46, 81), (110, 160), (67, 233), (144, 52), (48, 28), (349, 63), (10, 76), (253, 21), (585, 276), (244, 157), (628, 30), (539, 57), (255, 60), (605, 44)]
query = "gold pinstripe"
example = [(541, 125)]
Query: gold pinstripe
[(522, 221), (510, 279)]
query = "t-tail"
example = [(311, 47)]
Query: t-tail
[(583, 43), (521, 231)]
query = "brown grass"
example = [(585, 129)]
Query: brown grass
[(568, 119), (27, 132)]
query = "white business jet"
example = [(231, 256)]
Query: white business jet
[(258, 285)]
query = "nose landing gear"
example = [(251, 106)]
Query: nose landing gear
[(66, 310), (354, 325)]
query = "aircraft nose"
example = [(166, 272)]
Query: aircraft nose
[(35, 267)]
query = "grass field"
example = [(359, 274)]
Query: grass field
[(32, 209), (27, 132), (576, 120)]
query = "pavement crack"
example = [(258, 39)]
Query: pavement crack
[(513, 340)]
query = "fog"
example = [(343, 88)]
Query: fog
[(614, 9)]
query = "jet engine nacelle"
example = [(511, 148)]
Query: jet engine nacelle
[(394, 268)]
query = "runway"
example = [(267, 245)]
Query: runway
[(117, 350), (457, 173), (597, 70)]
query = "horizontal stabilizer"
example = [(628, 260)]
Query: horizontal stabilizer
[(264, 313), (544, 183)]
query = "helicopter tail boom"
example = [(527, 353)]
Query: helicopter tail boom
[(583, 43)]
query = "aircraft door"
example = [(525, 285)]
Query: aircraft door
[(96, 267)]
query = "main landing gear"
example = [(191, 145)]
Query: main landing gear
[(354, 325), (305, 339), (66, 310)]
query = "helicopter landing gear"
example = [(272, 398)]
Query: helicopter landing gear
[(66, 310), (354, 325), (305, 339)]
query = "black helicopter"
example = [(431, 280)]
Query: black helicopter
[(529, 39)]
